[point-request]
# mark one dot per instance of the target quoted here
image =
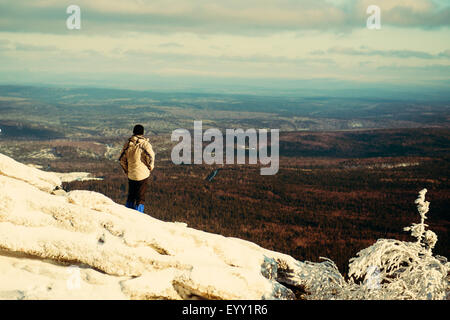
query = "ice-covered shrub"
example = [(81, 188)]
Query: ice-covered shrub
[(393, 269)]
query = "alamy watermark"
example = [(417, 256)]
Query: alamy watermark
[(257, 147), (373, 279), (374, 20), (74, 280), (73, 22)]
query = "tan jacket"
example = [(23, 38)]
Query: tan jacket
[(137, 158)]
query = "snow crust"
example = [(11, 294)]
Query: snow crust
[(45, 181)]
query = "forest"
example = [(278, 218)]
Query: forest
[(315, 206)]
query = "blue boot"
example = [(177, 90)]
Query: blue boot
[(130, 204), (140, 208)]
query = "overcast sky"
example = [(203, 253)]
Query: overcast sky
[(145, 43)]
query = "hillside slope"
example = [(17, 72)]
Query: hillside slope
[(81, 245)]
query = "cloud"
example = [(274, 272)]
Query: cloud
[(32, 47), (4, 44), (365, 51), (171, 45), (249, 59), (218, 16), (230, 38), (445, 54)]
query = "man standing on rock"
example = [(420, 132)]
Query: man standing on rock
[(137, 160)]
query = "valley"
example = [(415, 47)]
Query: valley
[(347, 176)]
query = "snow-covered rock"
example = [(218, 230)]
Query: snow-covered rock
[(82, 245), (45, 181)]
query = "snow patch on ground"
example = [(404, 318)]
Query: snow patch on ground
[(75, 176)]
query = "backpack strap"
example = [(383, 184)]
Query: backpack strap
[(145, 151), (125, 150)]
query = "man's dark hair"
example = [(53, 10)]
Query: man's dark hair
[(138, 129)]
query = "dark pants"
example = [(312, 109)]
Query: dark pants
[(136, 191)]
